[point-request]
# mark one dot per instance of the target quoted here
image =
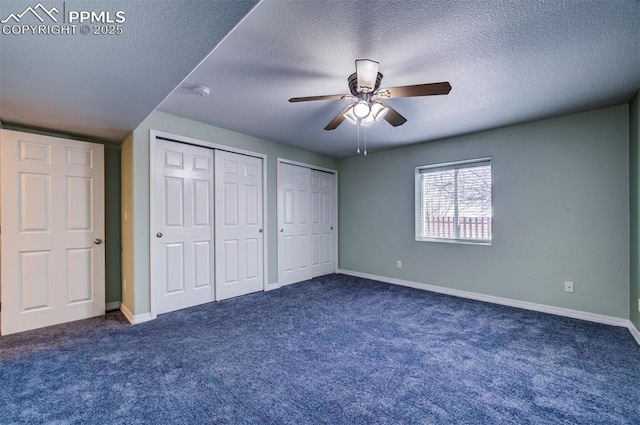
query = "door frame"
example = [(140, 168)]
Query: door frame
[(280, 160), (153, 136)]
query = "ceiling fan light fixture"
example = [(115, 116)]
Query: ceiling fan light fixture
[(378, 111), (367, 121), (362, 109), (351, 116)]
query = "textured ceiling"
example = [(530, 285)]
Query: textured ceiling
[(103, 86), (507, 61)]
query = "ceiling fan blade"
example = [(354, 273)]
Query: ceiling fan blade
[(327, 97), (416, 90), (393, 117), (338, 118), (367, 72)]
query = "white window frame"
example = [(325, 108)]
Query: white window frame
[(418, 201)]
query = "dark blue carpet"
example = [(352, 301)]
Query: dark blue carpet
[(334, 350)]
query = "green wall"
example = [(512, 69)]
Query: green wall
[(136, 297), (113, 244), (561, 212), (634, 186)]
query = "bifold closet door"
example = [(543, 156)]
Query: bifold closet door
[(183, 239), (306, 223), (239, 224), (52, 231)]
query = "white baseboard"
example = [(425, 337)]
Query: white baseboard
[(112, 306), (134, 319), (559, 311), (634, 331), (271, 286)]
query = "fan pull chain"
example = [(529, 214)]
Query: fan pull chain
[(358, 129), (365, 141)]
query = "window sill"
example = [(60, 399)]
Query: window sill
[(455, 241)]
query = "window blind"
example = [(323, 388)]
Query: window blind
[(455, 201)]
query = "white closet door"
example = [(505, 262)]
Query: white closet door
[(183, 242), (294, 243), (52, 231), (322, 227), (307, 230), (239, 225)]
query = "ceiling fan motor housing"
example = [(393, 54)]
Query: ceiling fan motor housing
[(353, 83)]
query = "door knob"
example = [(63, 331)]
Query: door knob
[(158, 235), (331, 227), (97, 241), (281, 230), (260, 230)]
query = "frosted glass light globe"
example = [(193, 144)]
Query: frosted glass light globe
[(362, 109)]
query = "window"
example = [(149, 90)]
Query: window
[(453, 202)]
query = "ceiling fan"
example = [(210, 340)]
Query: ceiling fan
[(368, 106)]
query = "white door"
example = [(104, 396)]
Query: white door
[(307, 230), (322, 226), (183, 239), (239, 225), (52, 231), (293, 221)]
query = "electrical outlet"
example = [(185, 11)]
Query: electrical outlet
[(124, 284), (399, 264), (568, 286), (126, 215), (638, 304)]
